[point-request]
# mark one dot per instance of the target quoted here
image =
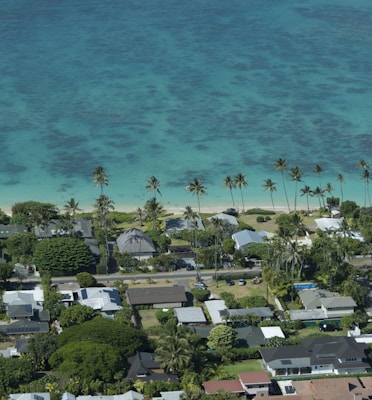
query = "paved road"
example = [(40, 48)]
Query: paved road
[(178, 275)]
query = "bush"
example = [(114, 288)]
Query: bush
[(260, 219), (260, 211), (200, 294), (244, 353)]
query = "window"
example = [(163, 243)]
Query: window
[(286, 362)]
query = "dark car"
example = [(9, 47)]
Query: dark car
[(189, 267), (329, 328), (230, 282)]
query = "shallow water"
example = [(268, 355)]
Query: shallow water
[(182, 90)]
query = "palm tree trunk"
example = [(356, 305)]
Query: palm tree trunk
[(241, 192), (285, 191)]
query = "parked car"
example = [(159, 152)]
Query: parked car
[(242, 282), (189, 267), (230, 282), (328, 328), (200, 285)]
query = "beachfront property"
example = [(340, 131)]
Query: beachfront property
[(136, 243), (245, 237)]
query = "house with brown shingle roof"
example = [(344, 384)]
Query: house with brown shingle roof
[(158, 297), (249, 383)]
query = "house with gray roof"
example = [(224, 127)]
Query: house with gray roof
[(11, 229), (136, 243), (23, 303), (30, 396), (181, 224), (261, 312), (230, 219), (317, 356), (190, 315), (157, 297), (144, 367), (82, 228), (245, 237), (331, 304), (102, 299)]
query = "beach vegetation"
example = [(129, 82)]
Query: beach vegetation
[(21, 247), (229, 183), (4, 218), (33, 213), (153, 186), (271, 187), (282, 166), (100, 177), (241, 182), (198, 188), (62, 256), (153, 210)]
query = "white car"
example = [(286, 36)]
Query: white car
[(242, 282)]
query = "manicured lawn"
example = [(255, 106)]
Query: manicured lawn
[(148, 318), (243, 366)]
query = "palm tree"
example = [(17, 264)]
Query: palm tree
[(240, 182), (306, 191), (153, 185), (319, 192), (366, 177), (197, 187), (217, 226), (140, 215), (363, 164), (103, 206), (281, 165), (271, 186), (229, 183), (296, 175), (72, 207), (341, 180), (318, 170), (100, 177), (153, 209)]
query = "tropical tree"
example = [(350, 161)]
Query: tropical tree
[(229, 184), (328, 188), (103, 206), (222, 339), (363, 164), (319, 192), (100, 178), (318, 170), (341, 180), (241, 182), (72, 207), (197, 187), (296, 175), (153, 185), (306, 191), (366, 177), (140, 215), (217, 227), (281, 165), (153, 209), (271, 186)]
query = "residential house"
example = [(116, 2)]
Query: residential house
[(130, 395), (102, 299), (230, 219), (12, 229), (25, 309), (136, 243), (245, 237), (229, 315), (249, 383), (172, 395), (143, 366), (30, 396), (316, 356), (344, 388), (158, 297), (184, 253), (330, 304), (180, 224), (190, 315)]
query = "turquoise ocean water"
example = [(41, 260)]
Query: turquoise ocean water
[(178, 90)]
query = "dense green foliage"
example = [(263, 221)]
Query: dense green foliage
[(88, 360), (222, 339), (14, 372), (76, 315), (21, 247), (200, 294), (85, 279), (33, 213), (124, 338), (40, 347), (62, 255)]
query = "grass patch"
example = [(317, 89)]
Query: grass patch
[(148, 318), (243, 366)]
